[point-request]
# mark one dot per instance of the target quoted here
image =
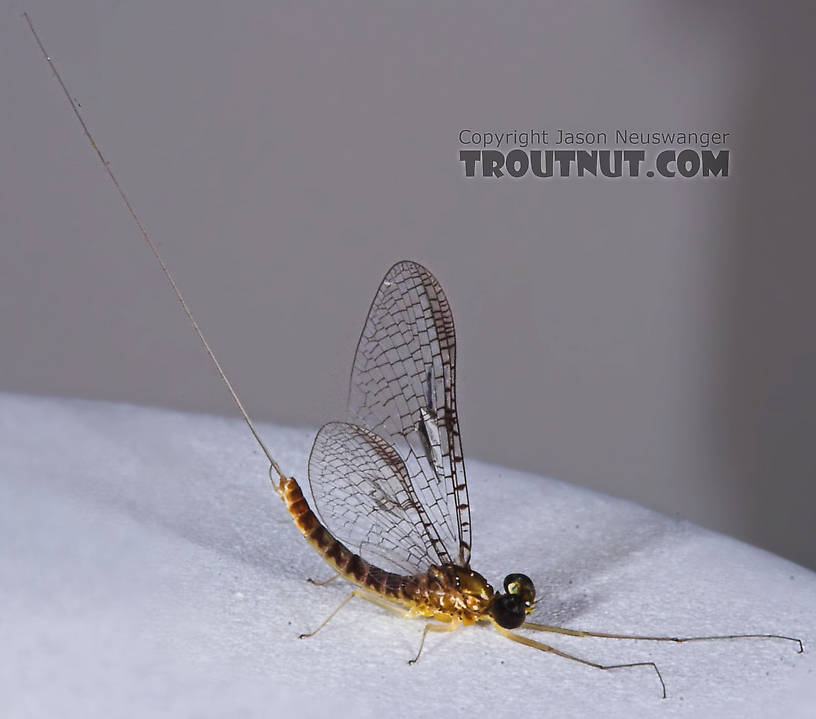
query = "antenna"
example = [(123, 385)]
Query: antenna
[(273, 464)]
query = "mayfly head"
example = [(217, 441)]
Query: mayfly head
[(508, 610)]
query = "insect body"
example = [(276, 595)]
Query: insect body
[(391, 498), (387, 499), (448, 592)]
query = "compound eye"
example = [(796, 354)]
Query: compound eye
[(522, 586), (508, 611)]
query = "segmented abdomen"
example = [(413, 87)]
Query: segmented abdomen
[(352, 566)]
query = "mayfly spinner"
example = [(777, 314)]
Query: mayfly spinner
[(392, 514)]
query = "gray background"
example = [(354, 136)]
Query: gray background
[(650, 339)]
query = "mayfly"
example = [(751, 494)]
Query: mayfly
[(391, 498)]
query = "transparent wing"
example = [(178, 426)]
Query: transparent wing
[(364, 495), (403, 388)]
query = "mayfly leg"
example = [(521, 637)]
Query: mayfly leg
[(433, 627), (678, 640), (361, 594), (393, 609), (323, 582), (547, 648), (330, 617)]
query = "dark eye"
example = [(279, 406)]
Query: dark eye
[(522, 586), (508, 610)]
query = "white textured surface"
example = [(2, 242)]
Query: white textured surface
[(147, 569)]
